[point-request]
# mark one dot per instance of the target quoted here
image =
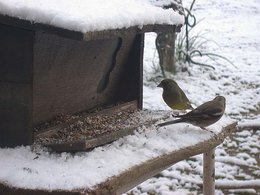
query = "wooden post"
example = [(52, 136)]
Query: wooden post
[(209, 172), (165, 45)]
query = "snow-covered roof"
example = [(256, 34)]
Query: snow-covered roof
[(91, 15)]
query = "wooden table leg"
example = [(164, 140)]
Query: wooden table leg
[(209, 172)]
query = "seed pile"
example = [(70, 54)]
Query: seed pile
[(83, 127), (87, 127)]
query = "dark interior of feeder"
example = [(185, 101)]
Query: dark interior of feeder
[(72, 76)]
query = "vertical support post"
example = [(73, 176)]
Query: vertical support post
[(209, 172)]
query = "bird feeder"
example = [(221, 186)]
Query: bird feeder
[(49, 72)]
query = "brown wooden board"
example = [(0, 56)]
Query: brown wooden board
[(16, 60), (52, 126), (71, 76), (111, 124), (105, 34)]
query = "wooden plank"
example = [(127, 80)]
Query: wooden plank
[(28, 25), (247, 126), (238, 184), (121, 107), (67, 74), (131, 85), (15, 54), (106, 34), (95, 35), (209, 172), (85, 145), (235, 184), (15, 114), (5, 189), (16, 60), (130, 178)]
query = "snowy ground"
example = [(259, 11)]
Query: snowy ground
[(234, 25)]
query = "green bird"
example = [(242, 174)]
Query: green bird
[(173, 95), (204, 115)]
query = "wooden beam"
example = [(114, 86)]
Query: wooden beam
[(132, 177), (235, 184), (209, 172), (95, 35), (132, 105), (248, 126), (245, 184)]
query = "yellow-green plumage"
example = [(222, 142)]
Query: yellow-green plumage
[(173, 95)]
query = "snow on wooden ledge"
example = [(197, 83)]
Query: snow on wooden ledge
[(110, 169), (90, 15)]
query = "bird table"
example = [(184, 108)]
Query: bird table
[(111, 164)]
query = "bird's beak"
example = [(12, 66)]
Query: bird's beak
[(160, 85)]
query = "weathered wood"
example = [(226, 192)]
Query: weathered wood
[(96, 35), (243, 165), (15, 86), (165, 45), (131, 85), (245, 184), (133, 105), (66, 80), (139, 173), (134, 29), (5, 189), (85, 145), (238, 184), (209, 172), (28, 25), (248, 126)]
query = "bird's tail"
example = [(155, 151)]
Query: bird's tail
[(170, 122)]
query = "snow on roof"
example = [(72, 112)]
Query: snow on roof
[(90, 15), (24, 168)]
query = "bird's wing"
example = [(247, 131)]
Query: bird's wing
[(183, 96), (208, 112)]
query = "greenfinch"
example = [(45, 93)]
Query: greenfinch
[(173, 95), (204, 115)]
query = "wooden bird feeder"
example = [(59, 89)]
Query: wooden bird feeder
[(46, 71)]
